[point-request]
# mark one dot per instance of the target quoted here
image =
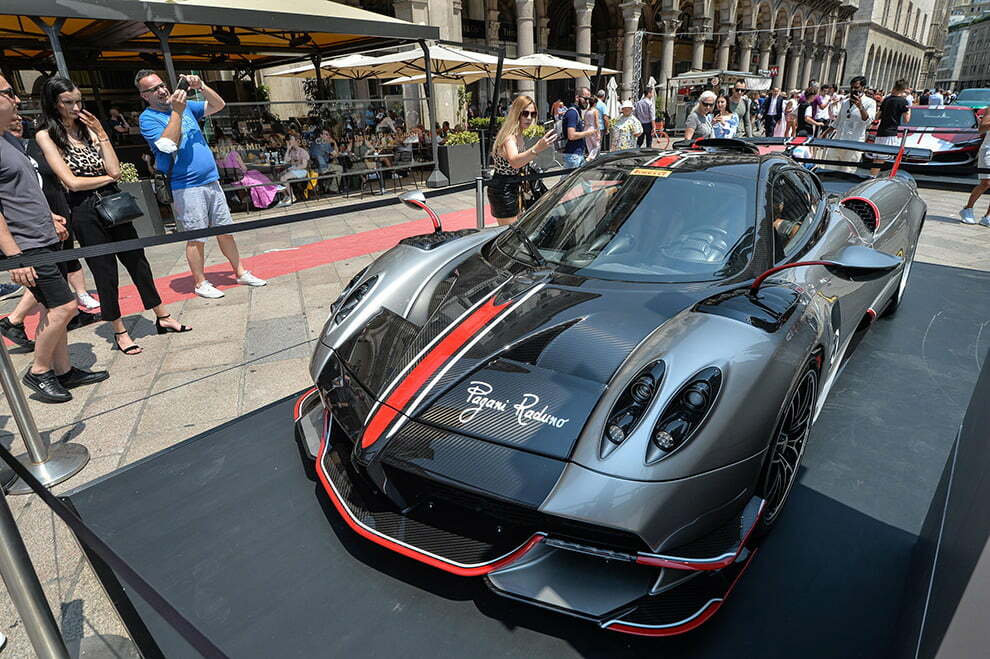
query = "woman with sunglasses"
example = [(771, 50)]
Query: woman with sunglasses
[(78, 150), (698, 125), (509, 156)]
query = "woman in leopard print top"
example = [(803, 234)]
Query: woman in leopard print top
[(78, 150)]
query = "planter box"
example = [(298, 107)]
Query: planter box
[(150, 223), (460, 163)]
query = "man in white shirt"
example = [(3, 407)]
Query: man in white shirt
[(936, 98), (854, 116)]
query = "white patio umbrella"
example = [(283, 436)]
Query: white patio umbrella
[(445, 62), (352, 67), (462, 78), (542, 66), (612, 98)]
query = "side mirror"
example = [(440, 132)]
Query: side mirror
[(855, 262), (416, 199)]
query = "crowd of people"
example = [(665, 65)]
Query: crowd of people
[(52, 192)]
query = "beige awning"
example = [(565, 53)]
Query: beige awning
[(255, 33)]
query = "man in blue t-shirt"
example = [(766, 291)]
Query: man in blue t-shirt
[(573, 155), (170, 124)]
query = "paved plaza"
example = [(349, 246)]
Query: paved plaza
[(246, 350)]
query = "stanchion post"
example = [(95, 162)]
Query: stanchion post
[(50, 465), (479, 200), (25, 589)]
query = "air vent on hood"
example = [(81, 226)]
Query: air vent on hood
[(865, 209), (529, 350)]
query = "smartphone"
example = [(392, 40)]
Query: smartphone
[(183, 84), (549, 125)]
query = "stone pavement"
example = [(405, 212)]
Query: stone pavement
[(247, 349)]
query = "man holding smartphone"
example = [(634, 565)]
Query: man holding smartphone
[(170, 124)]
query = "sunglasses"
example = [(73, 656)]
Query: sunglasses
[(707, 105), (154, 89), (9, 93), (526, 114), (739, 89)]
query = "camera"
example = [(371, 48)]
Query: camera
[(183, 84)]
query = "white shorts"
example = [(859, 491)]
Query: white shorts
[(889, 140), (983, 162), (200, 207)]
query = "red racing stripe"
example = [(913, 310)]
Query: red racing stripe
[(423, 371), (666, 161)]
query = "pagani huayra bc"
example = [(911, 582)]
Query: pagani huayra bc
[(602, 408)]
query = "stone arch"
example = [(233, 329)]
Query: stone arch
[(745, 15), (764, 16), (797, 25), (868, 69)]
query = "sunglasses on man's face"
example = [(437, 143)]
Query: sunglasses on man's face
[(526, 114), (739, 89), (9, 93), (707, 105), (154, 89)]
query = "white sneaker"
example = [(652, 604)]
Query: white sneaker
[(967, 216), (250, 280), (206, 289), (985, 221), (88, 301)]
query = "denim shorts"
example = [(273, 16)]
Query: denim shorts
[(572, 160)]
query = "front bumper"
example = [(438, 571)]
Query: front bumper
[(598, 574)]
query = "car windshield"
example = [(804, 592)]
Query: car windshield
[(974, 95), (941, 118), (638, 223)]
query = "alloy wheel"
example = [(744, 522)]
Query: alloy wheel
[(788, 446)]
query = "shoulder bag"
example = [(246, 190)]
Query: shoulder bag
[(161, 183), (117, 208)]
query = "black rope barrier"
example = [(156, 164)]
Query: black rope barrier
[(104, 249)]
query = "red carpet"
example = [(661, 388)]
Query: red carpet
[(275, 264)]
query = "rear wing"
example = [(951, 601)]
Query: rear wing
[(910, 152)]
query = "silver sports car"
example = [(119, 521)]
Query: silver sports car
[(602, 408)]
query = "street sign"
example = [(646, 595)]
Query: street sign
[(763, 72), (774, 71)]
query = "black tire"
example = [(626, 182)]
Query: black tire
[(786, 448), (895, 300)]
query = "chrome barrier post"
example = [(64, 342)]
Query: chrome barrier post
[(50, 465), (25, 589), (479, 200)]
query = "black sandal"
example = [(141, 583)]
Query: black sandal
[(165, 330), (132, 349)]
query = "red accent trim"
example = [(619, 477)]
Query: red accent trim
[(794, 141), (759, 280), (694, 623), (666, 161), (900, 155), (872, 314), (433, 360), (437, 228), (680, 564), (409, 552), (299, 401), (873, 207)]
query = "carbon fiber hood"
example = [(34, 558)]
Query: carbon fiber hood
[(515, 359)]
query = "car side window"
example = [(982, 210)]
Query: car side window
[(792, 205)]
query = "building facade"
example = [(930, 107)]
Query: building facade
[(967, 55)]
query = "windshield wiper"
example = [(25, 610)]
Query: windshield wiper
[(530, 246)]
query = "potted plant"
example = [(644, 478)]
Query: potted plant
[(544, 160), (150, 223), (459, 157)]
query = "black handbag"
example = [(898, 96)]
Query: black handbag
[(117, 208), (533, 189)]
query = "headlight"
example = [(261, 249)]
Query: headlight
[(628, 410), (685, 413), (351, 300)]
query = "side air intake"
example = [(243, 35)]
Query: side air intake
[(865, 209)]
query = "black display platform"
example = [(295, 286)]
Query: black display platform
[(230, 529)]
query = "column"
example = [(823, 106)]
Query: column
[(809, 60), (702, 33), (726, 39), (414, 11), (668, 32), (582, 26), (826, 61), (525, 36), (745, 42), (783, 45), (491, 22), (764, 43), (542, 40), (631, 12), (793, 65)]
